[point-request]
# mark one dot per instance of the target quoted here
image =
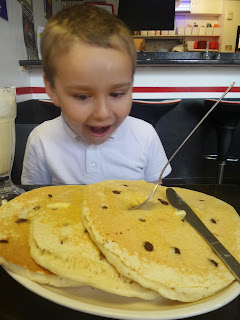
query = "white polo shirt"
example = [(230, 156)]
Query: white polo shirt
[(56, 155)]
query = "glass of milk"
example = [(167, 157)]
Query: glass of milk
[(8, 112)]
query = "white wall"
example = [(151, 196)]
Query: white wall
[(12, 47), (229, 34), (12, 44)]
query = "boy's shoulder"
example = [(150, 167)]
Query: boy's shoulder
[(138, 130), (49, 124), (138, 124), (49, 127)]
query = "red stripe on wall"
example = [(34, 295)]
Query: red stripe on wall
[(30, 90), (183, 89)]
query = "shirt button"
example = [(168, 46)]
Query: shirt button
[(92, 147), (92, 164)]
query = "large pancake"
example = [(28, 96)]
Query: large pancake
[(60, 243), (15, 220), (154, 245)]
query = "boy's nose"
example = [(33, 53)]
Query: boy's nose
[(102, 110)]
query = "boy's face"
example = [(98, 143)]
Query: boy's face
[(93, 87)]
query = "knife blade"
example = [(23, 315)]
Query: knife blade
[(177, 202)]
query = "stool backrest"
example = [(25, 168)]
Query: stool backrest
[(226, 113), (150, 110)]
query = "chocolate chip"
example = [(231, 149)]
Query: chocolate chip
[(176, 250), (183, 220), (21, 220), (36, 208), (49, 195), (104, 207), (125, 185), (3, 241), (214, 262), (85, 231), (148, 246), (101, 256), (165, 203), (201, 200), (213, 220), (116, 192), (141, 219), (61, 242)]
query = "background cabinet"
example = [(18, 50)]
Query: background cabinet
[(207, 7)]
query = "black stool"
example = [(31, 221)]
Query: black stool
[(152, 111), (225, 118), (29, 114)]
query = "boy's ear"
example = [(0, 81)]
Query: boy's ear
[(51, 91)]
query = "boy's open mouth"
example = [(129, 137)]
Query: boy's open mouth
[(99, 131)]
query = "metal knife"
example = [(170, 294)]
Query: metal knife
[(177, 202)]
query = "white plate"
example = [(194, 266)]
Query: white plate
[(97, 302)]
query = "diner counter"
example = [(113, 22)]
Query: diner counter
[(188, 58), (172, 58), (19, 303)]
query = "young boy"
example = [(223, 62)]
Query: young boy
[(88, 58)]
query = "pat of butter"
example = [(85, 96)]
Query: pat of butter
[(180, 213), (58, 205)]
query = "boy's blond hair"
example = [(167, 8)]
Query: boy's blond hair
[(87, 23)]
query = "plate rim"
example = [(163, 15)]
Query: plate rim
[(215, 302)]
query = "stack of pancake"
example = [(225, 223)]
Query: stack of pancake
[(87, 236)]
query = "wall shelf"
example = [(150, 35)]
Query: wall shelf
[(201, 50), (190, 14), (173, 37), (26, 64)]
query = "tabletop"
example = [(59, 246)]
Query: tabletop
[(19, 303)]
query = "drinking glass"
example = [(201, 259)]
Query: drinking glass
[(8, 112)]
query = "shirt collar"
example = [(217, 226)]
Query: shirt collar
[(69, 130)]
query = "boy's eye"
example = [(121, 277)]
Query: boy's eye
[(117, 94), (81, 96)]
